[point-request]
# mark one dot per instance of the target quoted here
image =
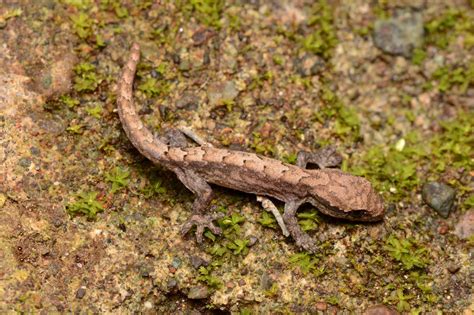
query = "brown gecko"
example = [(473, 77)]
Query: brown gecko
[(332, 191)]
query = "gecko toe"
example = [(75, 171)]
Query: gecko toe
[(202, 222)]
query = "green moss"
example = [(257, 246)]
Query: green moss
[(153, 87), (82, 25), (401, 299), (86, 204), (308, 220), (305, 262), (460, 77), (261, 146), (208, 278), (406, 251), (207, 12), (231, 224), (346, 121), (245, 311), (267, 220), (95, 111), (419, 55), (76, 129), (323, 38), (86, 79), (259, 80), (333, 300), (116, 6), (153, 187), (453, 145), (444, 29), (69, 101), (401, 168), (290, 158), (238, 247), (119, 177)]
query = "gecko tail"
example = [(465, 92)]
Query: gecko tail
[(140, 136)]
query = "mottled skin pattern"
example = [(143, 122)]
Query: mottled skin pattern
[(332, 191)]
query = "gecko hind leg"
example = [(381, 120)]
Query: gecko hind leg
[(323, 158), (204, 195)]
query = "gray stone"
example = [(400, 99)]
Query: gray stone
[(399, 34), (198, 292), (439, 196), (197, 261)]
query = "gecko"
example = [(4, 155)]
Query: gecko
[(332, 191)]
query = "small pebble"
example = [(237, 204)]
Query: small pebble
[(439, 196), (197, 261), (443, 228), (464, 229), (80, 293), (176, 262), (172, 283), (198, 292), (453, 267), (252, 241)]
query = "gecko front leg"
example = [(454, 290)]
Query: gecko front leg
[(302, 239), (323, 158), (204, 195)]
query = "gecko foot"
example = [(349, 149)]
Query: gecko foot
[(201, 222), (323, 158), (304, 241)]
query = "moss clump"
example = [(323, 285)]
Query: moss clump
[(460, 77), (69, 101), (267, 220), (119, 177), (408, 252), (86, 79), (205, 275), (82, 24), (308, 220), (86, 204), (95, 111), (322, 39), (346, 121), (307, 263), (207, 12), (442, 30), (153, 87)]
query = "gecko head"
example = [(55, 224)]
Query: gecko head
[(348, 197)]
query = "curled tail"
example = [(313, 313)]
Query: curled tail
[(139, 135)]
